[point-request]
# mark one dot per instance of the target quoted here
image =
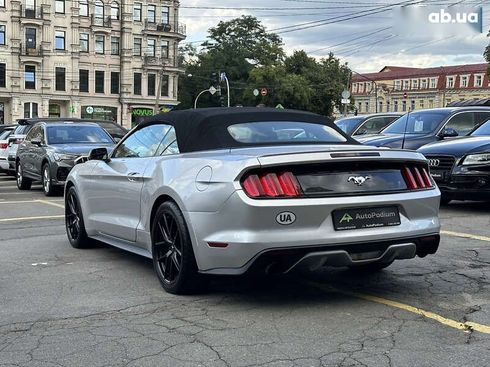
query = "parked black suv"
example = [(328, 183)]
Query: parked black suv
[(421, 127), (50, 149)]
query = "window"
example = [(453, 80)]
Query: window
[(463, 123), (137, 47), (2, 3), (478, 80), (30, 110), (151, 84), (151, 14), (2, 35), (145, 142), (433, 83), (450, 82), (165, 14), (30, 77), (84, 42), (90, 134), (368, 87), (423, 84), (422, 104), (395, 106), (137, 12), (99, 43), (60, 78), (114, 45), (36, 133), (372, 126), (3, 75), (431, 103), (164, 49), (366, 104), (463, 83), (361, 87), (114, 11), (83, 4), (114, 82), (99, 81), (398, 84), (388, 106), (415, 84), (380, 109), (59, 6), (99, 9), (30, 38), (59, 40), (150, 50), (137, 84), (164, 86), (406, 84), (359, 109), (83, 77), (404, 106), (412, 105), (168, 146)]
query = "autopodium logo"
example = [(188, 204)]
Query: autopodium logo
[(439, 22)]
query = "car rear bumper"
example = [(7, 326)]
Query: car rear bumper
[(249, 228)]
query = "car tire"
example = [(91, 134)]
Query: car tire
[(173, 256), (371, 267), (48, 187), (75, 227), (23, 183), (445, 200)]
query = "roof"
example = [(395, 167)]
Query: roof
[(471, 102), (204, 128), (33, 121), (395, 72)]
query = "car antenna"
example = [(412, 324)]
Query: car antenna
[(406, 128)]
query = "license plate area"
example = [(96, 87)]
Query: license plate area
[(362, 218)]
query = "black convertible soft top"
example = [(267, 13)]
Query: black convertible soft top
[(206, 128)]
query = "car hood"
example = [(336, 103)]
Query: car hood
[(459, 146), (79, 149)]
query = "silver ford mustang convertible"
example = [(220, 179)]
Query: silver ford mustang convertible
[(228, 191)]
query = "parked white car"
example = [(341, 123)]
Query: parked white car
[(4, 143)]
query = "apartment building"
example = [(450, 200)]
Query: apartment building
[(102, 59), (399, 89)]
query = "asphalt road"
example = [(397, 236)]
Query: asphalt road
[(103, 307)]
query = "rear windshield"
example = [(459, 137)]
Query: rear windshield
[(114, 130), (4, 134), (423, 122), (349, 124), (77, 135), (483, 130), (22, 129), (284, 132)]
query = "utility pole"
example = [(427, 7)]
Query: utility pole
[(156, 110)]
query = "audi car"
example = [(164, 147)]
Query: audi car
[(461, 167), (415, 129), (228, 191), (49, 151)]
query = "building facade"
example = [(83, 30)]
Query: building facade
[(101, 59), (399, 89)]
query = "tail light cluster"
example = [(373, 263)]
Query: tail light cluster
[(417, 178), (271, 185), (4, 145)]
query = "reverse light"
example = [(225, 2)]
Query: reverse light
[(271, 185)]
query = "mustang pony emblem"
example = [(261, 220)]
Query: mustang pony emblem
[(359, 180)]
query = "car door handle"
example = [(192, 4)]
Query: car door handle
[(134, 176)]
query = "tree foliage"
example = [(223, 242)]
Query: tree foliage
[(253, 59)]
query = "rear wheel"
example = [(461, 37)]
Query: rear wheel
[(23, 183), (371, 267), (49, 189), (173, 256), (75, 228)]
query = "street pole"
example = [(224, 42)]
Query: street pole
[(199, 95), (224, 77)]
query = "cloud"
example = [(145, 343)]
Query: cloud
[(366, 42)]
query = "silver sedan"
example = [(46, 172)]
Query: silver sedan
[(230, 191)]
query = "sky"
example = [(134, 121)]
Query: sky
[(363, 33)]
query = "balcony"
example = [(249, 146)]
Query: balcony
[(32, 13), (31, 54), (150, 60), (178, 28), (98, 21)]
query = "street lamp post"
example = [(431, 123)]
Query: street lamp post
[(224, 77), (375, 88), (211, 90)]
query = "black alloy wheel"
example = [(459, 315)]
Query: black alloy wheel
[(173, 256), (22, 182), (75, 228)]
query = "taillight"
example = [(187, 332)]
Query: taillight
[(417, 178), (3, 145), (271, 185)]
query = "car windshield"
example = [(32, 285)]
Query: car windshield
[(4, 134), (73, 134), (483, 130), (348, 124), (423, 122), (284, 132)]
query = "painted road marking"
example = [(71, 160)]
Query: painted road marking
[(50, 203), (28, 201), (32, 218), (467, 326), (466, 235)]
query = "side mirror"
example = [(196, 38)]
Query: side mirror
[(99, 154), (448, 133), (36, 142)]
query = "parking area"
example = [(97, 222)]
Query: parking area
[(104, 307)]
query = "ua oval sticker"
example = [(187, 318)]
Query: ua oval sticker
[(286, 218)]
